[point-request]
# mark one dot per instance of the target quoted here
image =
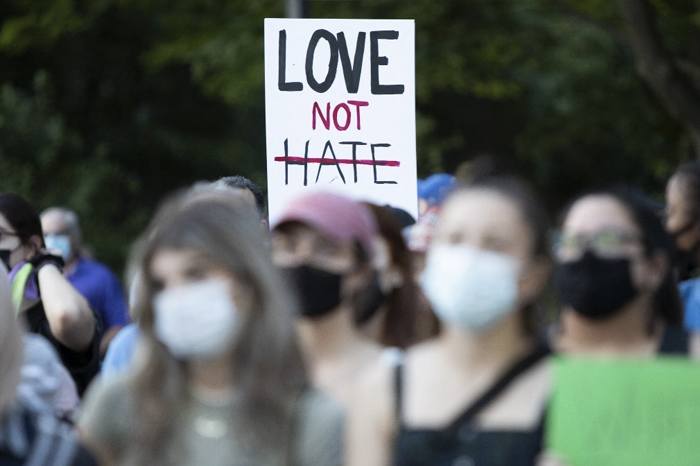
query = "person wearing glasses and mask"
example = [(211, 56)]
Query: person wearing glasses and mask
[(614, 279), (42, 296)]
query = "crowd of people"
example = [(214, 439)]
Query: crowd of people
[(344, 333)]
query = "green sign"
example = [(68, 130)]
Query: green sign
[(625, 412)]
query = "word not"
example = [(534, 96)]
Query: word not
[(339, 49), (316, 109), (328, 147)]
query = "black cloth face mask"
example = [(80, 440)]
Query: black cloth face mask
[(5, 257), (594, 287), (318, 291)]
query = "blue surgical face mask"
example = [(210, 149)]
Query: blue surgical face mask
[(60, 242), (469, 287)]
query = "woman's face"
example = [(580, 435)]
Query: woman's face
[(679, 215), (299, 244), (10, 241), (602, 224), (487, 220), (172, 268)]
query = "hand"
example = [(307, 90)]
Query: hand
[(45, 257)]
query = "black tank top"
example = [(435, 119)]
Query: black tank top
[(675, 341), (461, 444)]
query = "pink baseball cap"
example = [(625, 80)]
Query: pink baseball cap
[(334, 216)]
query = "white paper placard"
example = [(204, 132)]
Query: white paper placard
[(340, 110)]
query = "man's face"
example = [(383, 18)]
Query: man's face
[(57, 234)]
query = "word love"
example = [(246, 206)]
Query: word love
[(352, 71), (326, 160)]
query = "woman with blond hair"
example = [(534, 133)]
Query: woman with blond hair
[(25, 434), (220, 380)]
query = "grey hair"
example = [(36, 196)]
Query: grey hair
[(70, 218), (11, 345)]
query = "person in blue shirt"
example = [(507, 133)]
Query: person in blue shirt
[(683, 223), (94, 280)]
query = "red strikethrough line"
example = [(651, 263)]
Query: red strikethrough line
[(332, 161)]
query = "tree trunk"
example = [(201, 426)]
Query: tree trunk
[(658, 68)]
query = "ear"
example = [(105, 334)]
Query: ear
[(533, 280), (356, 280), (657, 265), (32, 247)]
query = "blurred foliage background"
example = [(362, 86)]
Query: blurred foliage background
[(107, 105)]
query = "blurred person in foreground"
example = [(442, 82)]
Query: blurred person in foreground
[(220, 380), (120, 354), (43, 298), (28, 436), (683, 224), (475, 394), (250, 190), (92, 279), (325, 244)]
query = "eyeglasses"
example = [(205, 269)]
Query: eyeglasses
[(606, 243)]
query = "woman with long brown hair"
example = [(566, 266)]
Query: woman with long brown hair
[(220, 379), (476, 393)]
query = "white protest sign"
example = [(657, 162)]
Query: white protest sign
[(340, 110)]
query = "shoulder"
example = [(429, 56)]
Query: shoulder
[(314, 406), (689, 286), (106, 392), (108, 417), (107, 400), (94, 268), (690, 292), (121, 350), (319, 427), (126, 338), (424, 353), (38, 349)]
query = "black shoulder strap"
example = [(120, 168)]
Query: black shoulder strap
[(675, 340), (502, 383), (398, 392)]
